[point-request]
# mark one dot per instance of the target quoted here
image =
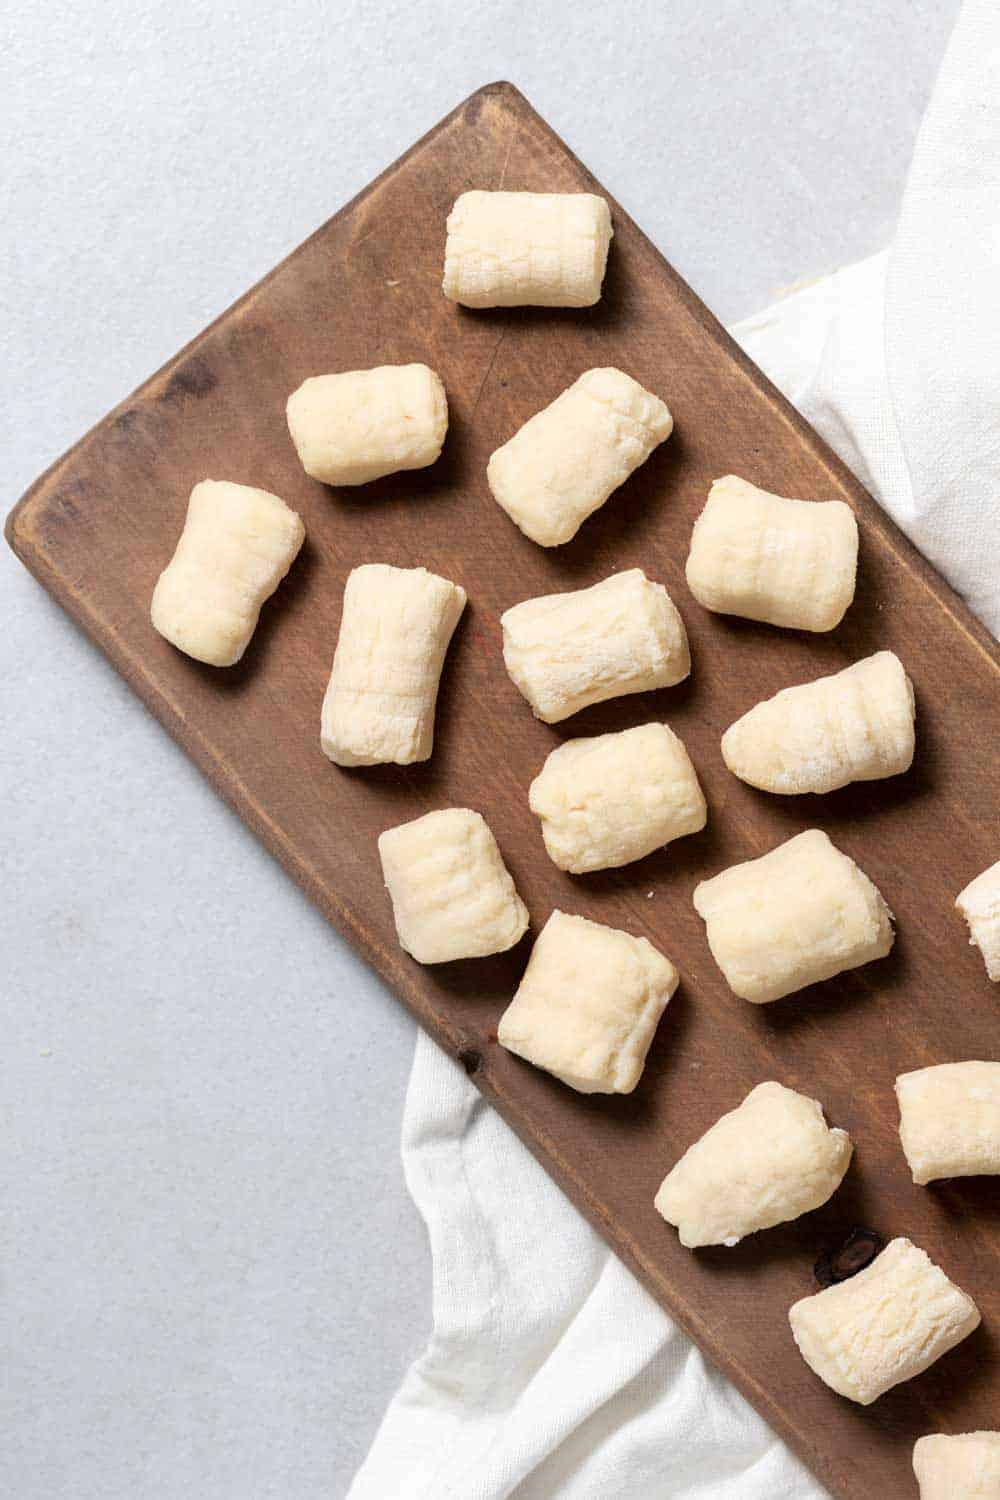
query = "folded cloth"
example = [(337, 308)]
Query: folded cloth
[(551, 1374)]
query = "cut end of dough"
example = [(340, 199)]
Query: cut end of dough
[(979, 904), (949, 1120), (959, 1466)]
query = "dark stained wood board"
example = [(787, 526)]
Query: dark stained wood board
[(98, 527)]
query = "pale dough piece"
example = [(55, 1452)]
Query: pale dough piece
[(567, 459), (885, 1325), (606, 801), (787, 562), (236, 547), (526, 249), (588, 1005), (949, 1120), (359, 425), (452, 895), (764, 1163), (797, 915), (963, 1466), (394, 634), (856, 725), (979, 904), (567, 651)]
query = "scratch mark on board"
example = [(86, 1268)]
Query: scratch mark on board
[(489, 371), (510, 147)]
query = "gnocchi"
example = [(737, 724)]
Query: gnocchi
[(768, 1161), (588, 1005), (959, 1466), (885, 1325), (236, 547), (357, 426), (567, 459), (606, 801), (979, 904), (949, 1120), (395, 630), (452, 895), (565, 652), (856, 725), (765, 557), (526, 249), (791, 918)]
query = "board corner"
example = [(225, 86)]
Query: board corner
[(18, 529)]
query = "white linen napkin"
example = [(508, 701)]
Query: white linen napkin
[(551, 1374)]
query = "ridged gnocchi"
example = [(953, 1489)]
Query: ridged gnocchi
[(360, 425), (958, 1466), (792, 918), (588, 1005), (856, 725), (569, 458), (565, 652), (526, 249), (949, 1120), (237, 545), (885, 1325), (381, 698), (765, 1162), (606, 801), (452, 895), (765, 557), (979, 904)]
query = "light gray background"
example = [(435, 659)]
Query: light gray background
[(212, 1275)]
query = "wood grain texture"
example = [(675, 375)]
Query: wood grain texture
[(364, 290)]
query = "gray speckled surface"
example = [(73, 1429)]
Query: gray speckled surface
[(212, 1274)]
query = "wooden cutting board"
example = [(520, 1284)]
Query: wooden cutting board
[(364, 290)]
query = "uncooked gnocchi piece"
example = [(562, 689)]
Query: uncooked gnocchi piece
[(452, 895), (949, 1120), (606, 801), (588, 1005), (526, 249), (979, 904), (762, 556), (959, 1466), (394, 634), (856, 725), (885, 1325), (791, 918), (567, 651), (359, 425), (764, 1163), (567, 459), (236, 547)]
